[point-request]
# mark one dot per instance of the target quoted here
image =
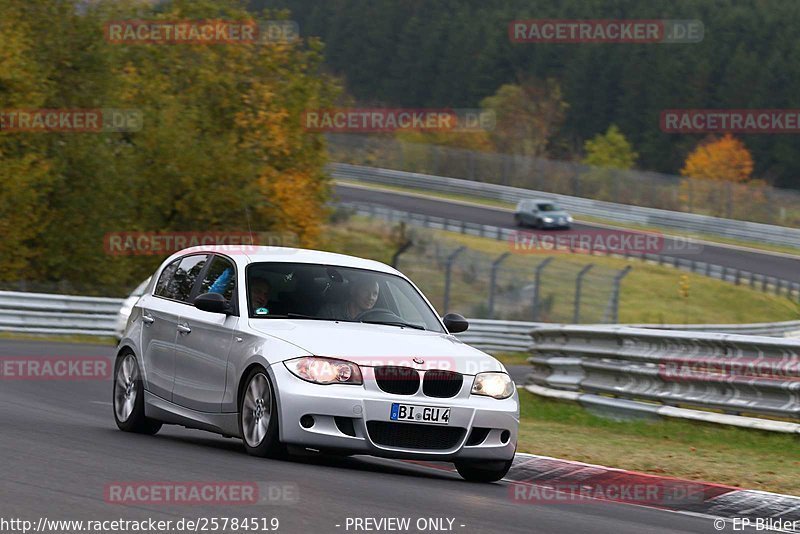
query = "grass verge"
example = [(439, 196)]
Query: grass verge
[(67, 338), (692, 450), (649, 292)]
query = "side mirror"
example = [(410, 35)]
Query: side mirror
[(455, 323), (211, 302)]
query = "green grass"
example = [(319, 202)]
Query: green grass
[(512, 358), (506, 205), (692, 450), (650, 292), (66, 338)]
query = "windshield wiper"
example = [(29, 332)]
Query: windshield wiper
[(401, 324)]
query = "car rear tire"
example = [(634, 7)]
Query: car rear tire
[(483, 471), (518, 221), (128, 398), (258, 416)]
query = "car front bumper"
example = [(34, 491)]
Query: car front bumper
[(368, 409)]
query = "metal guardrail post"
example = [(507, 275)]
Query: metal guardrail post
[(493, 281), (536, 289), (578, 284), (448, 276), (615, 293)]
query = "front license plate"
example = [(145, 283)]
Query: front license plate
[(414, 413)]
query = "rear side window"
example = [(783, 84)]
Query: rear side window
[(178, 278), (219, 278)]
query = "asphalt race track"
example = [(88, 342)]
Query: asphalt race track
[(781, 266), (60, 449)]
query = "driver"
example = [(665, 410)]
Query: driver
[(363, 296)]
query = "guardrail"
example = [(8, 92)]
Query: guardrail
[(624, 213), (764, 283), (41, 313), (664, 373), (515, 336)]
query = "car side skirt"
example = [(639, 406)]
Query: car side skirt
[(167, 412)]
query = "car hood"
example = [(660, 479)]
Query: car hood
[(374, 345)]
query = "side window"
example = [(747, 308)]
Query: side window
[(165, 280), (219, 278), (178, 278)]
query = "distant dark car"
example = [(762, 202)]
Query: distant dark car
[(541, 214)]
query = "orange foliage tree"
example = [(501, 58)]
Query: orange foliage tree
[(718, 178)]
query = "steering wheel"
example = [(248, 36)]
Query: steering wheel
[(363, 315)]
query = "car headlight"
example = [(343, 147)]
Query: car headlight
[(497, 385), (548, 219), (569, 218), (324, 370)]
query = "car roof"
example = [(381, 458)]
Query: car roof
[(246, 254), (538, 200)]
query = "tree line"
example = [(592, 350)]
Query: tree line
[(456, 53), (220, 145)]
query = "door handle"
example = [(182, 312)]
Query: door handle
[(184, 329), (148, 319)]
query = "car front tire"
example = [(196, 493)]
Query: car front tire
[(258, 416), (129, 397), (483, 471)]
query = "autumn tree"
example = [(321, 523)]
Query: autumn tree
[(713, 170), (527, 116), (606, 155), (725, 159), (221, 146), (610, 150)]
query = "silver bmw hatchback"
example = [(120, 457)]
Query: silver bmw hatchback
[(290, 348)]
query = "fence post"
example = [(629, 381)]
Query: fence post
[(578, 284), (404, 247), (448, 275), (615, 294), (536, 289), (493, 281)]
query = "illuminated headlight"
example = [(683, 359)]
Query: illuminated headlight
[(569, 218), (497, 385), (324, 370), (548, 219)]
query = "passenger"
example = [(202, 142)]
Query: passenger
[(259, 295), (363, 296)]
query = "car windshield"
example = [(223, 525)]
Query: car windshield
[(333, 293), (548, 207)]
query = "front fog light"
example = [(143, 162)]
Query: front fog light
[(497, 385), (324, 370)]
